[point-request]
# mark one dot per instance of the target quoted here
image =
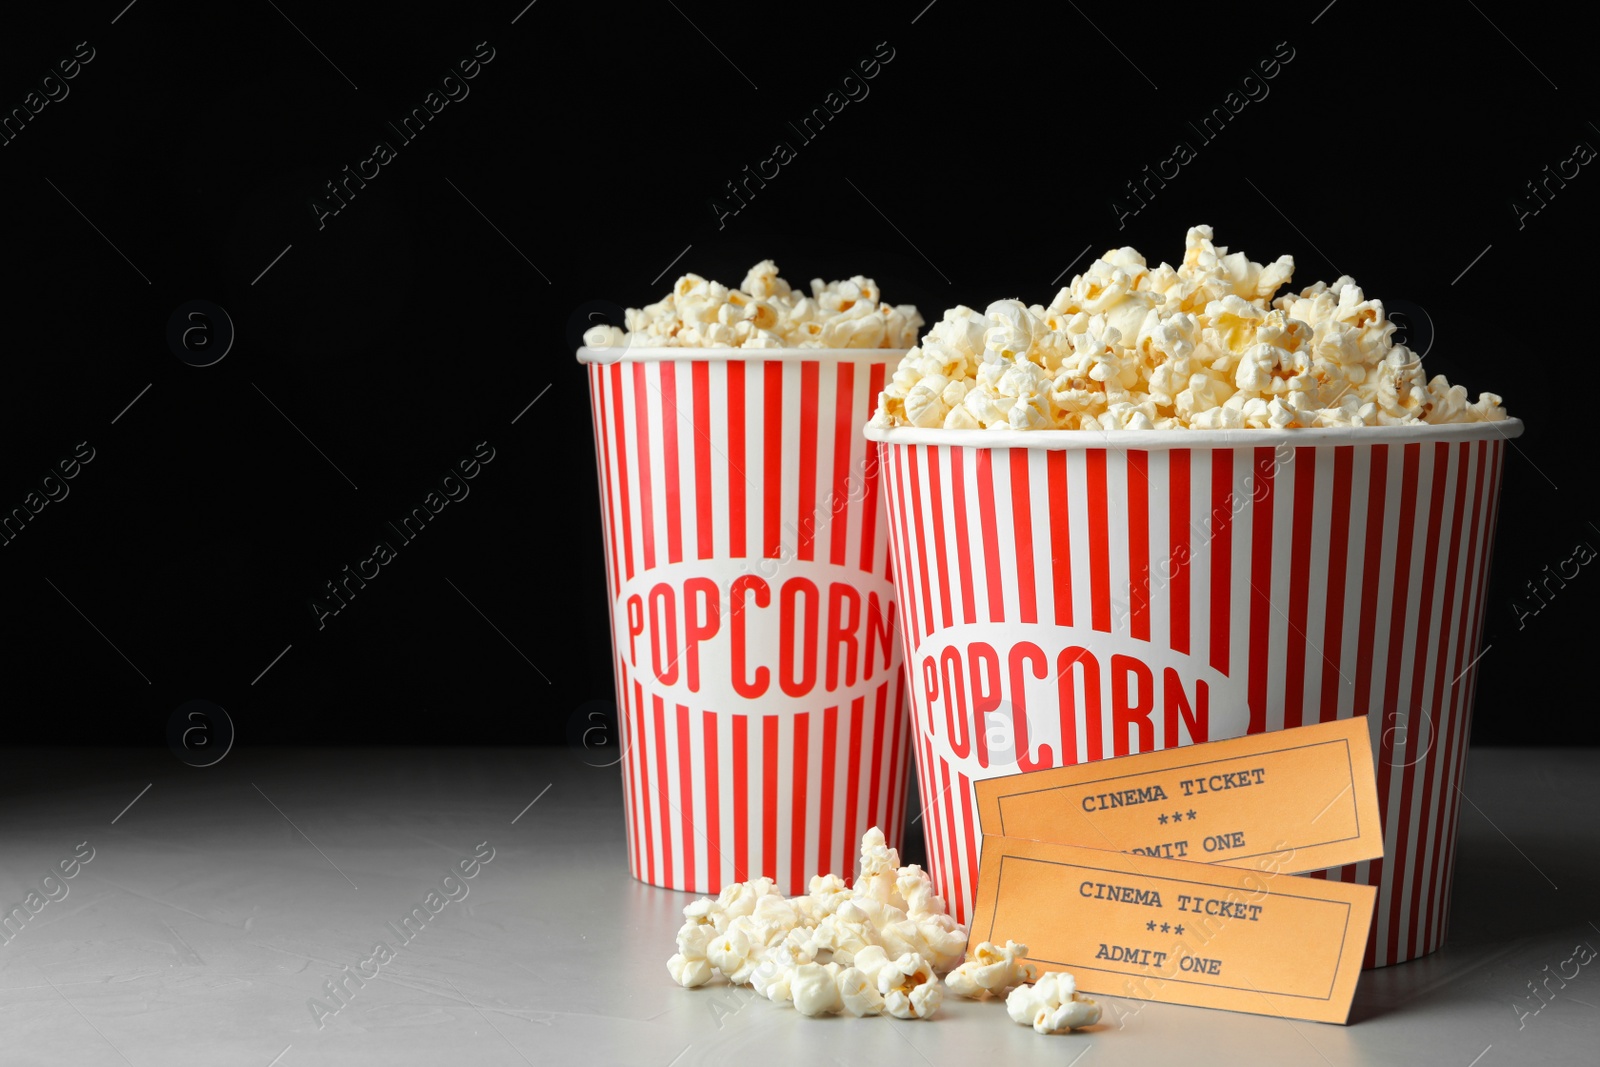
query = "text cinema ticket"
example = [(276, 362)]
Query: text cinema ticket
[(1308, 792), (1177, 932)]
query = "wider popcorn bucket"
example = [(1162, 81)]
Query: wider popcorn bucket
[(760, 698), (1076, 595)]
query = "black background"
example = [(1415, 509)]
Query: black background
[(415, 324)]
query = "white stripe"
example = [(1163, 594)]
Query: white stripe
[(1239, 650), (1395, 500), (1352, 654), (1200, 549), (1316, 637), (1158, 579), (1280, 569)]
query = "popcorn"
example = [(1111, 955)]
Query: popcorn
[(816, 989), (872, 947), (689, 972), (733, 955), (1052, 1005), (765, 312), (1202, 346), (908, 988), (859, 994), (990, 970)]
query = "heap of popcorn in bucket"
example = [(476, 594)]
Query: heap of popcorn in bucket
[(766, 312), (1205, 345)]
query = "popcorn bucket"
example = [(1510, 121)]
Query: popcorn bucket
[(1077, 595), (759, 692)]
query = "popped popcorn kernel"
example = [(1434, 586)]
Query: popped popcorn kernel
[(1052, 1005), (989, 969)]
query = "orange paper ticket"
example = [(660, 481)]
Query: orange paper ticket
[(1178, 932), (1308, 791)]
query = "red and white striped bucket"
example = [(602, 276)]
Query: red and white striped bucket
[(1072, 596), (759, 690)]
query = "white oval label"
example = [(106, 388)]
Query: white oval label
[(791, 636), (993, 705)]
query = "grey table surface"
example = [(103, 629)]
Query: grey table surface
[(217, 905)]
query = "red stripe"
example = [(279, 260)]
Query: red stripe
[(958, 505), (797, 819), (941, 558), (686, 772), (1448, 811), (809, 420), (843, 435), (991, 537), (899, 759), (1338, 562), (1099, 541), (641, 430), (1139, 545), (921, 557), (897, 787), (852, 797), (664, 794), (737, 483), (928, 816), (644, 784), (900, 525), (602, 434), (700, 371), (1402, 580), (713, 773), (630, 788), (1060, 536), (876, 773), (1305, 487), (948, 829), (1414, 709), (1221, 555), (623, 482), (769, 796), (1261, 587), (932, 833), (741, 793), (772, 462), (1022, 530), (826, 860), (1397, 616), (669, 461), (874, 457), (1178, 535), (1450, 724), (1490, 522), (965, 785), (1371, 571), (1428, 858)]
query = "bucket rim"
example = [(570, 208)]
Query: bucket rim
[(661, 354), (1171, 440)]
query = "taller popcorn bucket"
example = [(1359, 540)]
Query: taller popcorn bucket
[(761, 704), (1077, 595)]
